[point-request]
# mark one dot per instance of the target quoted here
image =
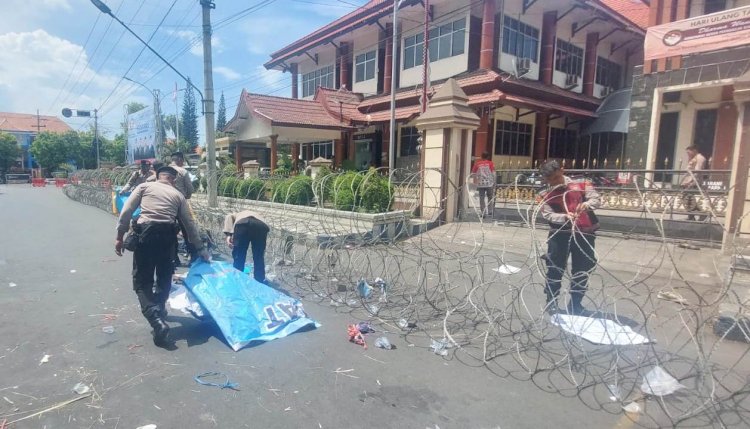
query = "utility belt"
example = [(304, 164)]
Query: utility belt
[(144, 234)]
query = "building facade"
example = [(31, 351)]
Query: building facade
[(692, 90), (25, 127), (535, 72)]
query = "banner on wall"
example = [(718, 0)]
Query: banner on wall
[(700, 34), (142, 142)]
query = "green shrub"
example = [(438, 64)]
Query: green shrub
[(377, 194), (227, 186), (295, 190), (348, 165), (249, 189), (346, 191)]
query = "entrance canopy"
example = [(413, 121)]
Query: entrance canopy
[(613, 116)]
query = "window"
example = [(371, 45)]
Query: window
[(608, 73), (409, 141), (317, 150), (562, 143), (447, 40), (364, 67), (520, 40), (322, 77), (512, 138), (713, 6), (413, 51), (568, 58)]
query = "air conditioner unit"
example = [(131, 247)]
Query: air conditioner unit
[(571, 81), (606, 90), (523, 66)]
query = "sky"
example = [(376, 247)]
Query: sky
[(65, 53)]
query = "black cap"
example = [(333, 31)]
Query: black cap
[(167, 169), (178, 153), (145, 162)]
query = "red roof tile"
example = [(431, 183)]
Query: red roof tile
[(635, 11), (289, 111), (341, 104), (28, 123)]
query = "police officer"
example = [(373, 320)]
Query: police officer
[(161, 204), (183, 182), (242, 230), (140, 176)]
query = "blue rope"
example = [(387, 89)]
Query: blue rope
[(227, 384)]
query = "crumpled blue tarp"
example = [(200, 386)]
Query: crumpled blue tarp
[(245, 310), (119, 201)]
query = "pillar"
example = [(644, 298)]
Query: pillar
[(274, 152), (343, 65), (483, 134), (541, 131), (295, 79), (295, 156), (388, 65), (309, 150), (726, 130), (547, 53), (338, 152), (487, 50), (589, 63), (238, 156), (740, 163)]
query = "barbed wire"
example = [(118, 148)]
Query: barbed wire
[(474, 290)]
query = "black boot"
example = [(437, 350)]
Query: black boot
[(161, 332), (575, 307)]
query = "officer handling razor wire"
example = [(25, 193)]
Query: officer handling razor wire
[(154, 242)]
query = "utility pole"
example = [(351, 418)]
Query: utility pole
[(426, 53), (96, 136), (208, 107), (394, 70), (176, 116)]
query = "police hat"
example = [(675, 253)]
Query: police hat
[(167, 169), (145, 162)]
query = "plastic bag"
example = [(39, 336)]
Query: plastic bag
[(183, 300), (245, 310), (658, 382)]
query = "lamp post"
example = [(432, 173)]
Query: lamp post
[(207, 107)]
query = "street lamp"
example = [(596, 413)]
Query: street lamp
[(206, 109), (66, 112)]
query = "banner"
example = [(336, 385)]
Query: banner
[(700, 34), (142, 142)]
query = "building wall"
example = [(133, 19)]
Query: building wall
[(717, 68), (508, 113), (326, 57)]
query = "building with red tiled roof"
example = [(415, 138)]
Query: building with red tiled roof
[(25, 127), (535, 72)]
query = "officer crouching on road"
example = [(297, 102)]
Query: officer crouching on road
[(161, 205)]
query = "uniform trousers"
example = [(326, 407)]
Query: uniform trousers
[(250, 232), (154, 256)]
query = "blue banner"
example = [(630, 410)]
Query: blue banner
[(142, 142), (245, 310)]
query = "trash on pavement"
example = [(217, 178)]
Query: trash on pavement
[(403, 323), (507, 269), (598, 331), (245, 310), (44, 359), (351, 302), (658, 382), (72, 271), (384, 343), (146, 427), (11, 284), (632, 408), (355, 336), (108, 329), (614, 392), (363, 289), (365, 327), (81, 389), (225, 385), (668, 295), (441, 347)]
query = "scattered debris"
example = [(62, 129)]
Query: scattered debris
[(72, 271), (384, 343), (632, 408), (351, 302), (355, 336), (704, 275), (441, 347), (344, 372), (81, 389), (614, 391), (688, 246), (108, 329), (146, 427), (44, 359), (363, 289), (8, 400), (52, 408), (507, 269), (598, 331), (365, 327), (658, 382), (226, 385), (11, 284), (288, 409), (668, 295)]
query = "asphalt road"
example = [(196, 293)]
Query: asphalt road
[(61, 283)]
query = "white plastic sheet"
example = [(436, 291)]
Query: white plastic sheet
[(598, 331), (182, 300), (507, 269), (658, 382)]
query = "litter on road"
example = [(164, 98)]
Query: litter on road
[(507, 269), (658, 382), (81, 389), (598, 331), (225, 385)]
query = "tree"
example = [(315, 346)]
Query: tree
[(221, 116), (114, 150), (52, 149), (170, 124), (189, 129), (9, 151)]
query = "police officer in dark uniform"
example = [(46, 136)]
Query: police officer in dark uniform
[(161, 206)]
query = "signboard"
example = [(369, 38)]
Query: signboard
[(142, 142), (700, 34)]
